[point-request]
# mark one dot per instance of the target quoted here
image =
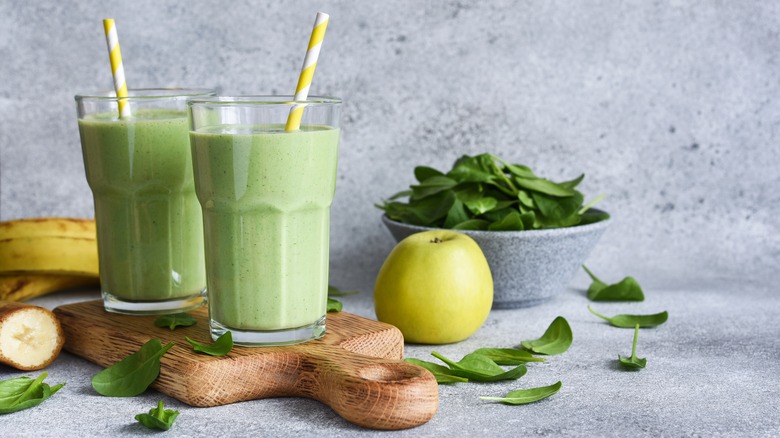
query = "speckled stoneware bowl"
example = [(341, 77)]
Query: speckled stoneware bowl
[(528, 267)]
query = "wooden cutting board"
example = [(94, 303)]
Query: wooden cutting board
[(356, 368)]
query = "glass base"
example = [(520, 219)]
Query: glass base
[(115, 304), (269, 338)]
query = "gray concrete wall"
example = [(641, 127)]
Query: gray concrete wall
[(670, 108)]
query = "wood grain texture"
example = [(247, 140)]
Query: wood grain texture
[(356, 368)]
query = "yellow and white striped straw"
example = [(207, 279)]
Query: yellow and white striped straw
[(117, 69), (307, 71)]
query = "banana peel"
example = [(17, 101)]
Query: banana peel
[(48, 226), (49, 254), (28, 286)]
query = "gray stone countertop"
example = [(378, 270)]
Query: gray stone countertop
[(712, 370)]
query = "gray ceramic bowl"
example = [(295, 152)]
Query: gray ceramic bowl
[(528, 267)]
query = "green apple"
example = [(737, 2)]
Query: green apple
[(435, 286)]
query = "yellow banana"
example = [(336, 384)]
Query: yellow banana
[(43, 255), (48, 226), (28, 286), (49, 254)]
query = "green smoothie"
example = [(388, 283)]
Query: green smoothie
[(266, 197), (149, 222)]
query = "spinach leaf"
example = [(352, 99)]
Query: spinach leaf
[(336, 292), (528, 219), (456, 214), (469, 191), (508, 356), (555, 340), (334, 305), (510, 222), (479, 368), (472, 224), (175, 320), (158, 418), (133, 374), (480, 193), (558, 209), (593, 216), (573, 183), (547, 187), (525, 396), (499, 213), (516, 169), (422, 173), (21, 393), (525, 199), (442, 373), (432, 208), (432, 186), (629, 321), (633, 362), (401, 194), (482, 205), (471, 169), (627, 290), (590, 204), (220, 347)]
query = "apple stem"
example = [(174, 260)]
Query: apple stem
[(436, 240)]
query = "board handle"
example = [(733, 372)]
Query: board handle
[(374, 392)]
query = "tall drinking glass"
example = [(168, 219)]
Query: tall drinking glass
[(266, 196), (149, 223)]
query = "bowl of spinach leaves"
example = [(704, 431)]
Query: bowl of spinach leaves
[(535, 233)]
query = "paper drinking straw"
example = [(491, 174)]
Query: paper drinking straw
[(117, 70), (307, 71)]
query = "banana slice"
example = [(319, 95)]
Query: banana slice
[(30, 336)]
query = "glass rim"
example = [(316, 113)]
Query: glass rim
[(147, 94), (258, 100)]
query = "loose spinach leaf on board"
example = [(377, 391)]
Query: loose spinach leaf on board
[(220, 347), (508, 356), (133, 374), (479, 368), (525, 396), (633, 362), (627, 289), (21, 393), (158, 418), (479, 192), (336, 292), (555, 340), (175, 320), (629, 321), (441, 373), (334, 305)]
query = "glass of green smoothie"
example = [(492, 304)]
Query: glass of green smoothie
[(149, 223), (266, 195)]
